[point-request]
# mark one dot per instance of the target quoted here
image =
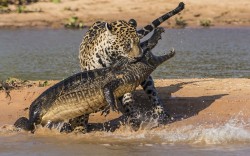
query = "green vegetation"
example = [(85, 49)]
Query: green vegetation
[(180, 22), (21, 9), (205, 23), (4, 3), (56, 1), (13, 83), (44, 84), (4, 9), (4, 6), (74, 23), (20, 6), (16, 2)]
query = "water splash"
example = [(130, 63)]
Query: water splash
[(234, 131)]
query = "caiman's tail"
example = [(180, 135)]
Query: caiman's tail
[(24, 124)]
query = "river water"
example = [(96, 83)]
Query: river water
[(53, 54), (231, 138), (37, 54)]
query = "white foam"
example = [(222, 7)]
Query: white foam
[(234, 130)]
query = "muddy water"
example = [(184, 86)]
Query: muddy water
[(230, 138)]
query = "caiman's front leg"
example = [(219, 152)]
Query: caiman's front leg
[(108, 92)]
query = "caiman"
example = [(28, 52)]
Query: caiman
[(88, 92)]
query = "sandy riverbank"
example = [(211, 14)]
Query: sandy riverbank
[(223, 13), (203, 101)]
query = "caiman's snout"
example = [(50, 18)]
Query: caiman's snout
[(157, 60), (161, 59)]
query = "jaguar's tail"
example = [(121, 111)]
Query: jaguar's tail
[(148, 28)]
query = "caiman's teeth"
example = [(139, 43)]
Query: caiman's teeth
[(172, 50)]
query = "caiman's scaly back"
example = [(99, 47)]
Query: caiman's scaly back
[(89, 91)]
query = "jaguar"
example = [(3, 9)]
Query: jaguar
[(105, 42)]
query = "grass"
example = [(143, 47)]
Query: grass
[(205, 23), (56, 1), (20, 6), (15, 83), (180, 22), (74, 23), (44, 84), (21, 9), (4, 3), (12, 83)]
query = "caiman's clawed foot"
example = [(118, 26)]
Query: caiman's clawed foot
[(105, 111), (66, 128)]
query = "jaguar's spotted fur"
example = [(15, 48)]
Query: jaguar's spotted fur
[(105, 42)]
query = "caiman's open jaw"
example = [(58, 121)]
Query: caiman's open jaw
[(153, 59)]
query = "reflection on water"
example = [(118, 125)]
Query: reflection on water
[(48, 146), (53, 54), (230, 138)]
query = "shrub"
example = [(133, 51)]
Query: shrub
[(180, 22), (56, 1), (74, 22), (205, 23)]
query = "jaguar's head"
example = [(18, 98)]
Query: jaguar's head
[(123, 39)]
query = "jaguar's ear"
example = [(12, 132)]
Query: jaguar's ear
[(108, 27), (133, 22)]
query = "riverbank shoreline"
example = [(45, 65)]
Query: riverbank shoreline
[(191, 100), (55, 15)]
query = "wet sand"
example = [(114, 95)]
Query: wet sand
[(223, 13), (190, 101)]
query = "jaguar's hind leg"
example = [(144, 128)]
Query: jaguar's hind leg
[(130, 112), (80, 124), (158, 110)]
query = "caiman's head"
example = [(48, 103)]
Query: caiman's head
[(150, 59)]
